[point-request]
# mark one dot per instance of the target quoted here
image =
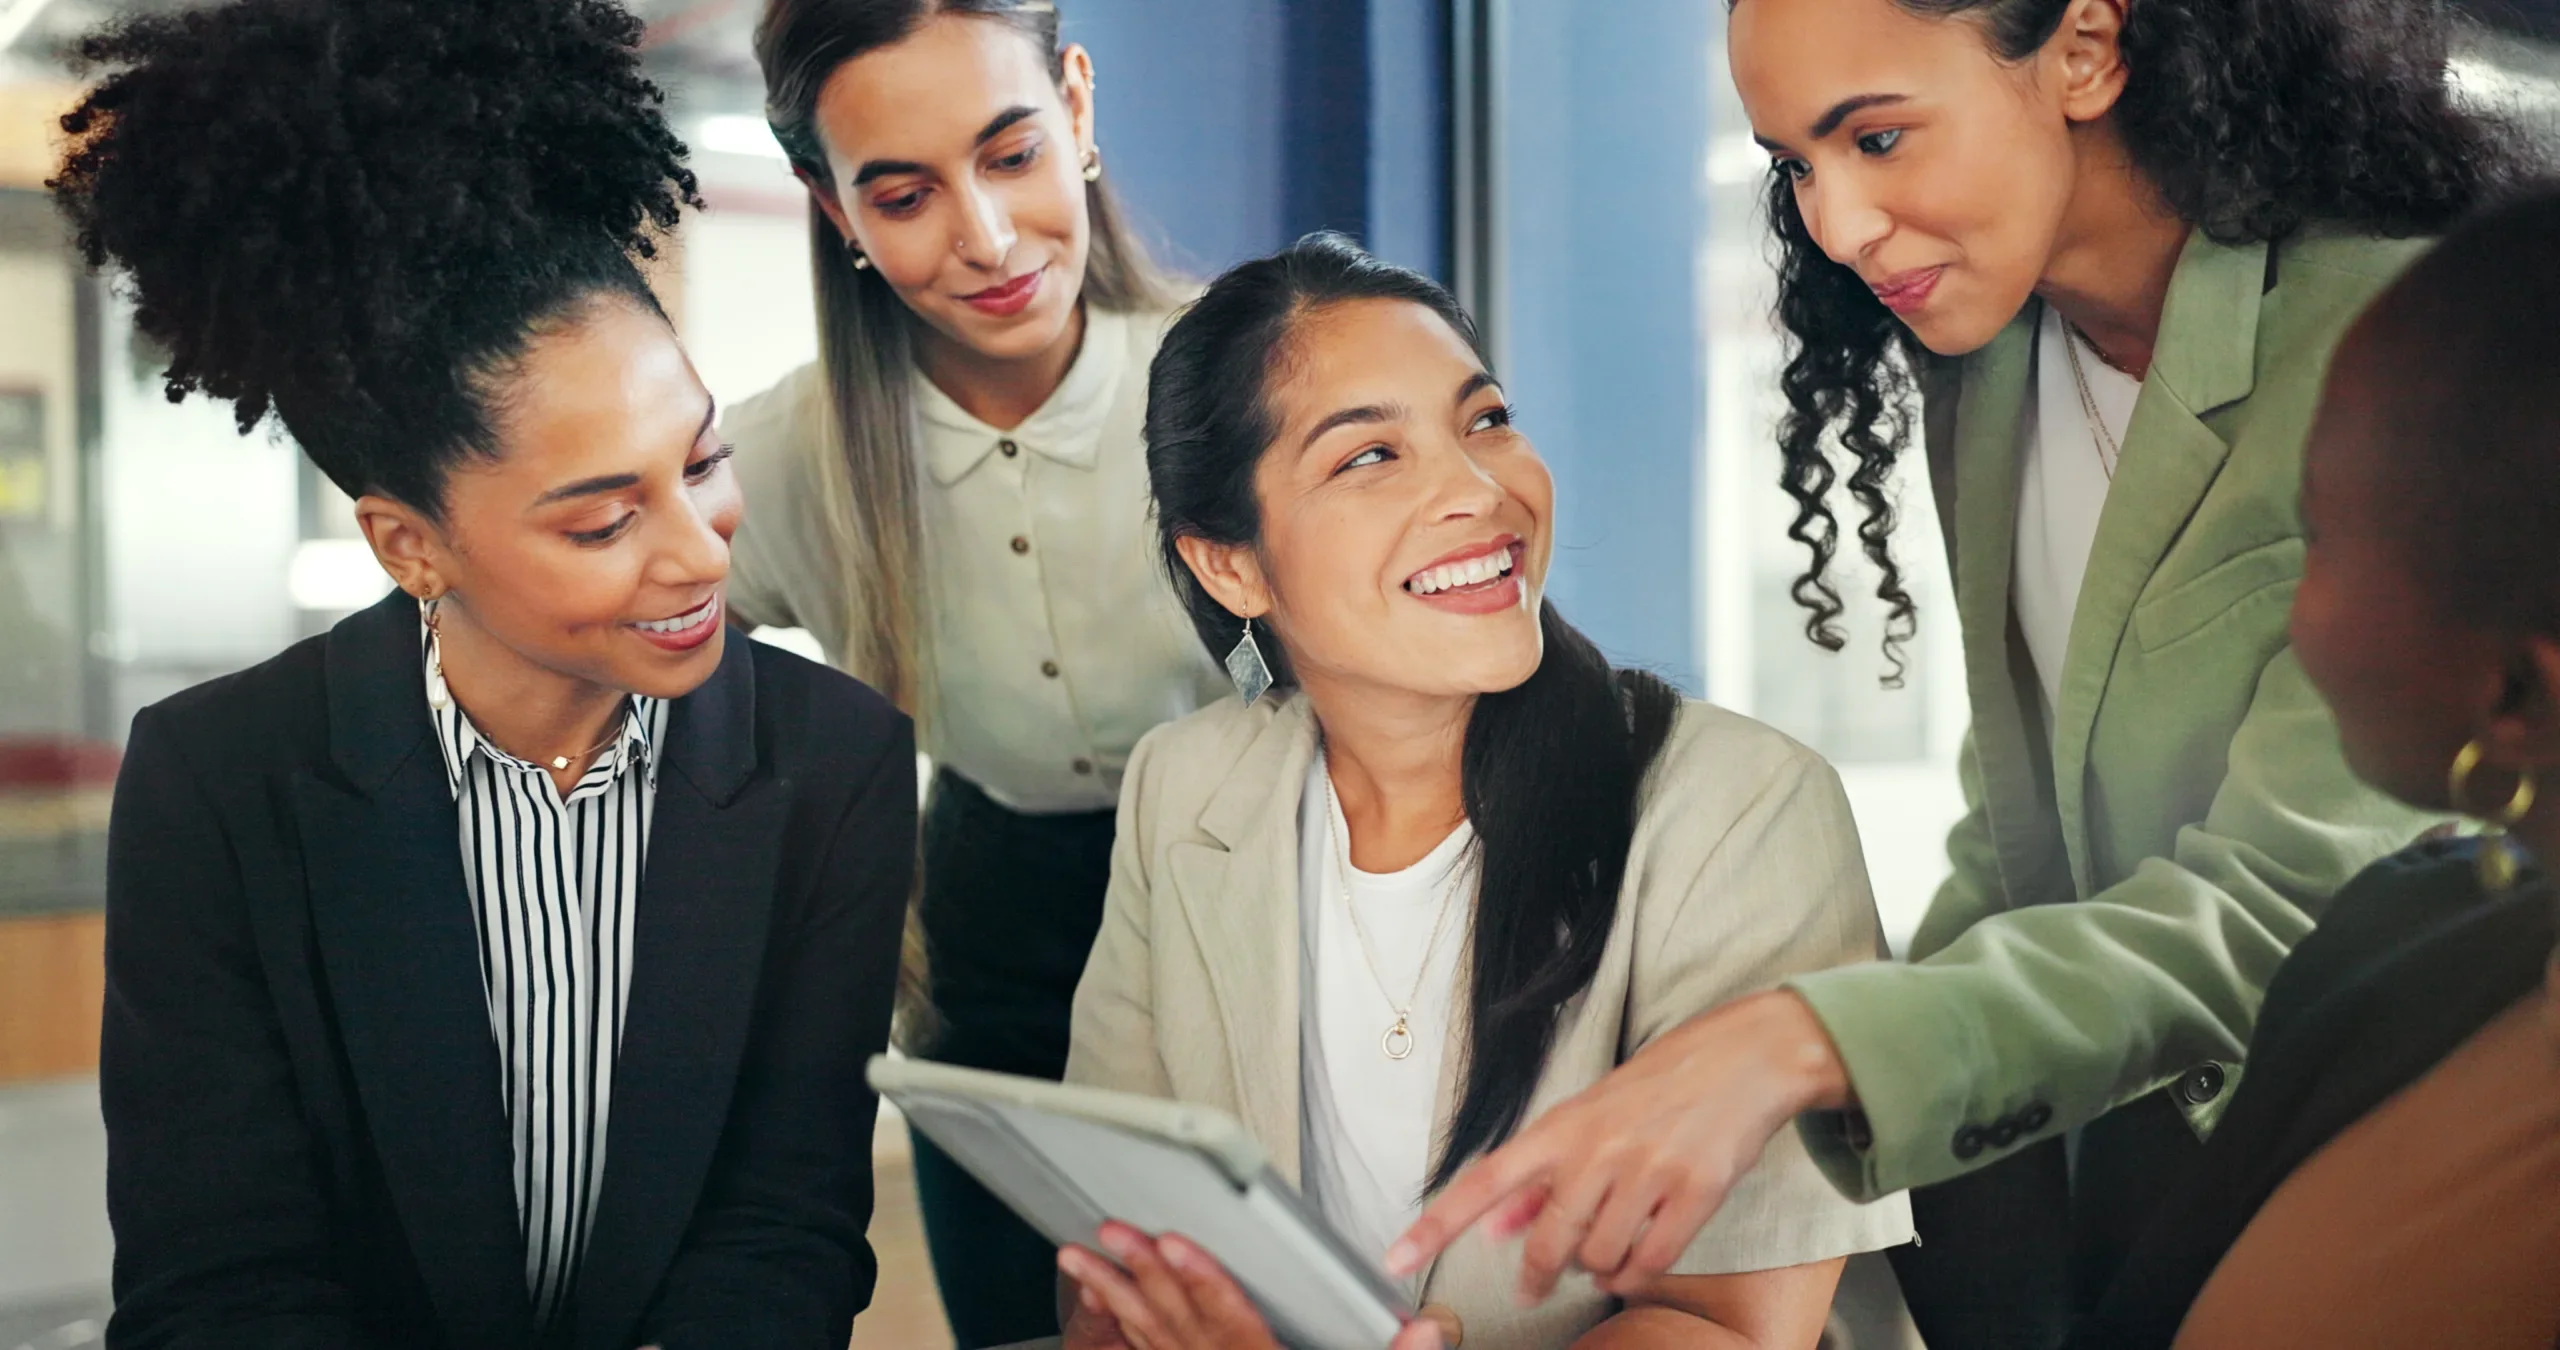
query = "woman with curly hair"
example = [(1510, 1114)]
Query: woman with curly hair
[(497, 969), (2092, 255)]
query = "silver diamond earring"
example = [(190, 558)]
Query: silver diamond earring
[(1246, 667)]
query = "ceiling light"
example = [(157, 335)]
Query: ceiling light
[(335, 576), (731, 134), (16, 16)]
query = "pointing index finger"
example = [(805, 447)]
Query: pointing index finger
[(1492, 1179)]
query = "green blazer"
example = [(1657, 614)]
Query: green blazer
[(2123, 889)]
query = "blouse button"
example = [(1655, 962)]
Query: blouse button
[(1009, 448), (1021, 544), (1084, 767), (1049, 668)]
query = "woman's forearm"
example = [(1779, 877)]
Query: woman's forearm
[(1650, 1328), (1780, 1309)]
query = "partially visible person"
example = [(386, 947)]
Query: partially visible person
[(2090, 257), (1452, 867), (498, 969), (2389, 1176), (953, 500)]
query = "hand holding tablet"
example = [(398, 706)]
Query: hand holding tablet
[(1107, 1174)]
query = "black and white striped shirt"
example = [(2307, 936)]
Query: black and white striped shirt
[(553, 884)]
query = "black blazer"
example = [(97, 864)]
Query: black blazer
[(307, 1141), (2410, 959)]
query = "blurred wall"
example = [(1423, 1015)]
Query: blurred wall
[(1235, 127), (1602, 132)]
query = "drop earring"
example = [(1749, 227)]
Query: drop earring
[(861, 262), (2499, 860), (1093, 165), (1245, 666), (439, 697)]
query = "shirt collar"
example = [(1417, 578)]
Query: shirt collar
[(1067, 428), (642, 720)]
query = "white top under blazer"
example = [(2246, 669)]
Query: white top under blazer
[(1745, 869)]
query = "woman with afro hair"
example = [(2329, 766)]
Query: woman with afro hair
[(499, 968), (2091, 257)]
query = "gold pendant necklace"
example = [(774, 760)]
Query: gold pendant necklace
[(440, 695), (1398, 1042), (564, 761)]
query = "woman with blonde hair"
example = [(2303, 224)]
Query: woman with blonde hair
[(952, 499)]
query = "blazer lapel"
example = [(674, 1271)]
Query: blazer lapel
[(391, 917), (2205, 359), (1240, 898), (698, 949), (1991, 401)]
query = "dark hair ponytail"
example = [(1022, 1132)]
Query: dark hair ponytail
[(1552, 770), (357, 215), (2251, 118)]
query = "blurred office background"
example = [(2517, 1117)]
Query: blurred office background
[(1579, 171)]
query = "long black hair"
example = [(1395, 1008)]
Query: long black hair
[(357, 214), (1552, 770), (2251, 118)]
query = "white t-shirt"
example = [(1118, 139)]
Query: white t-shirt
[(1364, 1120), (2062, 491)]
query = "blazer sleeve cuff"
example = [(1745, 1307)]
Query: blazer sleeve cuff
[(1913, 1062)]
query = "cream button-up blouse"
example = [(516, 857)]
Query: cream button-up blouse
[(1056, 641)]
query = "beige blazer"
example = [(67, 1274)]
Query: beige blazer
[(1745, 869)]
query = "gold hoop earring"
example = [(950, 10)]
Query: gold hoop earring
[(1093, 165), (2499, 863)]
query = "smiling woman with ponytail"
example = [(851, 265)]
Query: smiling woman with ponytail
[(1453, 865), (952, 499), (2090, 257)]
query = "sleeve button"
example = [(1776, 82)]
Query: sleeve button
[(2005, 1133), (2035, 1117), (1969, 1143), (2202, 1084)]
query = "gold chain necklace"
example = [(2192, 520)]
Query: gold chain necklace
[(621, 716), (441, 695), (2109, 452), (1397, 1043)]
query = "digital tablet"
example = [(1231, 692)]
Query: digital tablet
[(1068, 1158)]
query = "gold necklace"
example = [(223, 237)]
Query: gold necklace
[(2109, 452), (1398, 1042), (621, 715), (440, 694)]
